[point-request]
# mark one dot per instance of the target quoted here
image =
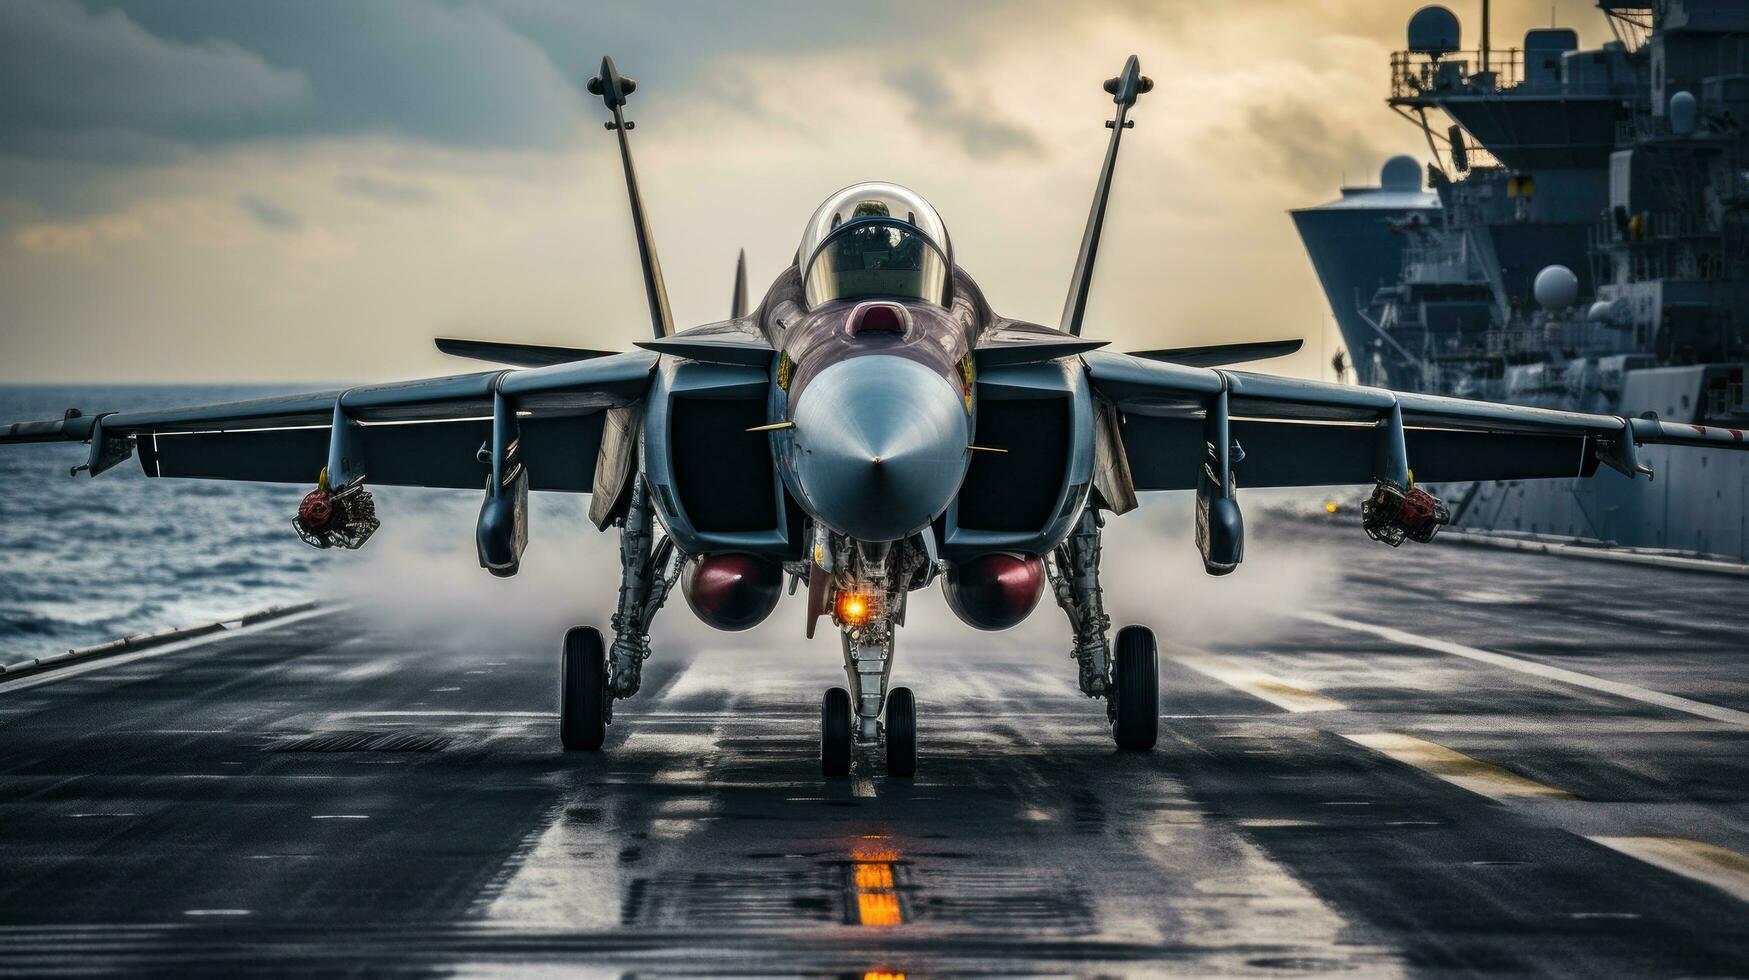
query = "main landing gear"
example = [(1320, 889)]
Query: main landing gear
[(583, 699), (1128, 680), (592, 675), (1135, 696)]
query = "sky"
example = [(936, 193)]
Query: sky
[(226, 190)]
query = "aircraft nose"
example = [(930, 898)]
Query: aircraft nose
[(881, 446)]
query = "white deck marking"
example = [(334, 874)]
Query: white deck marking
[(1699, 709), (1723, 869), (75, 669), (447, 714), (1256, 683), (1456, 768)]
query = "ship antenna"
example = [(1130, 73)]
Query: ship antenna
[(1487, 20)]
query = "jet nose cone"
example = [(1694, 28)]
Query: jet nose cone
[(881, 446)]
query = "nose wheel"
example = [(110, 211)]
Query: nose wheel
[(835, 735), (901, 732), (839, 724)]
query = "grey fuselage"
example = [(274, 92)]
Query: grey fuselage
[(885, 403)]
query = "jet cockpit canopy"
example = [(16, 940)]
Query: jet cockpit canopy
[(875, 239)]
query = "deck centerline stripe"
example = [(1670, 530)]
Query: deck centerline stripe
[(1699, 709)]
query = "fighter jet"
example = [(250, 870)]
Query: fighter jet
[(873, 427)]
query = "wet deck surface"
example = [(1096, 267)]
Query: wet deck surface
[(1444, 761)]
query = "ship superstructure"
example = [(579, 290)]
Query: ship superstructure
[(1587, 249)]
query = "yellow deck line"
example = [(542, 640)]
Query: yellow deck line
[(1254, 682), (1723, 869), (1456, 768)]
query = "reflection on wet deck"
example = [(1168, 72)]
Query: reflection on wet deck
[(872, 882)]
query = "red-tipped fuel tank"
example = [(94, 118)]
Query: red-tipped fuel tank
[(994, 592), (732, 592)]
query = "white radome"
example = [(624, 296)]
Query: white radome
[(1556, 287)]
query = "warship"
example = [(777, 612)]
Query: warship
[(1579, 240)]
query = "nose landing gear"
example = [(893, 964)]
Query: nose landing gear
[(853, 717), (836, 741), (839, 726), (901, 733), (864, 589)]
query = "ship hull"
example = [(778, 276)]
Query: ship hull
[(1694, 504)]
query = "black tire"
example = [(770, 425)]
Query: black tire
[(901, 732), (835, 734), (583, 690), (1136, 683)]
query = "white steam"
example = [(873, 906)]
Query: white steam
[(420, 576)]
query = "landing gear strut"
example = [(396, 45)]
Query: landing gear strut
[(866, 598), (648, 571), (868, 662), (591, 679), (1074, 573), (1130, 681)]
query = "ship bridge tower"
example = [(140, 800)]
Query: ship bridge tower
[(1521, 138)]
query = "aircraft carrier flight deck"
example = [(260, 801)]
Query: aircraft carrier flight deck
[(1449, 760)]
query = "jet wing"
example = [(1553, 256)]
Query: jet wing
[(1296, 433), (434, 432), (516, 355)]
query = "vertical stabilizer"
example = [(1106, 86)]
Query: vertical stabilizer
[(738, 304), (614, 89), (1124, 89)]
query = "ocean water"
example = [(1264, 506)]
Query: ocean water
[(86, 560)]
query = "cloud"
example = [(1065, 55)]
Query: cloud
[(134, 82), (174, 222), (270, 215), (357, 177), (73, 81), (1298, 140), (934, 107), (386, 190)]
